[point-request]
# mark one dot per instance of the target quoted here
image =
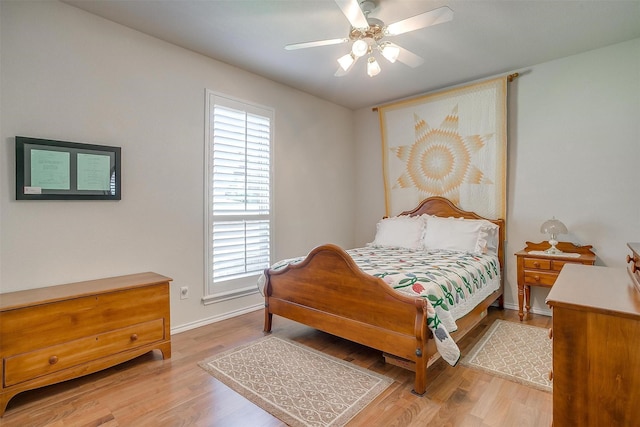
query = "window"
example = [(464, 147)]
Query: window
[(238, 195)]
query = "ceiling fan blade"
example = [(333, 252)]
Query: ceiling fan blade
[(316, 43), (433, 17), (409, 58), (352, 11)]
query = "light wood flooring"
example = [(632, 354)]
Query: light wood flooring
[(149, 391)]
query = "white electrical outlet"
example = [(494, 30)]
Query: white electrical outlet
[(184, 292)]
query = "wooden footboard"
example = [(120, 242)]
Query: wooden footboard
[(329, 292)]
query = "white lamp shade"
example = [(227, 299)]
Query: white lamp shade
[(360, 48), (373, 68), (346, 61), (553, 227)]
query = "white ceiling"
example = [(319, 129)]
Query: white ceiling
[(485, 38)]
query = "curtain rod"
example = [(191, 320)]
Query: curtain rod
[(510, 78)]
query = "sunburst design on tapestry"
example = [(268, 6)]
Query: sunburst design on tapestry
[(440, 159)]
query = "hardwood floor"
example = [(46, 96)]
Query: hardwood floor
[(149, 391)]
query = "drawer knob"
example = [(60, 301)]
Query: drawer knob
[(551, 375), (536, 264), (536, 278), (550, 333), (134, 337), (632, 260), (53, 360)]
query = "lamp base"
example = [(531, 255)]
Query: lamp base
[(553, 251)]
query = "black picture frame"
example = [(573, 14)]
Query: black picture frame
[(48, 169)]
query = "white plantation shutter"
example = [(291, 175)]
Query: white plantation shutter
[(239, 193)]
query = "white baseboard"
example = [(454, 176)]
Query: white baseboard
[(533, 310), (214, 319)]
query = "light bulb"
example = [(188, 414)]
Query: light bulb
[(390, 52), (373, 68), (360, 48), (346, 61)]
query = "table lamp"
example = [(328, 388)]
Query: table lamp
[(553, 227)]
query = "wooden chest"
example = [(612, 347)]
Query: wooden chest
[(52, 334)]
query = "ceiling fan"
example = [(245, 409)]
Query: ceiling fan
[(368, 35)]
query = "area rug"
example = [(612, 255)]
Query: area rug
[(299, 385), (520, 353)]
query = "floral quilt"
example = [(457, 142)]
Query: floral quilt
[(452, 282)]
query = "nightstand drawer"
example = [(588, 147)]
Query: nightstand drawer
[(539, 278), (537, 263)]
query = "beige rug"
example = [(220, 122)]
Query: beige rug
[(299, 385), (514, 351)]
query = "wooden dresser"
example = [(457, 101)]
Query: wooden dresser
[(52, 334), (596, 352), (537, 269)]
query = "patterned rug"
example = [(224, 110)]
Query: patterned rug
[(297, 384), (514, 351)]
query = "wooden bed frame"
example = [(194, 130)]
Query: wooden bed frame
[(328, 291)]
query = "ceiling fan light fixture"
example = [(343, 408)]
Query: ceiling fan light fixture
[(390, 52), (368, 33), (346, 61), (360, 48), (373, 68)]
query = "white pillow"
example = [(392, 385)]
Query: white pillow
[(400, 231), (458, 234)]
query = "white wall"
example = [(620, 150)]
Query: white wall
[(574, 152), (66, 74), (70, 75)]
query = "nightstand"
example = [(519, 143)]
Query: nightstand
[(538, 269)]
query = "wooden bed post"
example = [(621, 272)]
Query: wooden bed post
[(422, 333), (268, 319), (420, 384), (268, 316)]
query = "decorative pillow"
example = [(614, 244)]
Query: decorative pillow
[(459, 234), (400, 232)]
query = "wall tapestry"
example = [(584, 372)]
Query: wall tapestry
[(452, 144)]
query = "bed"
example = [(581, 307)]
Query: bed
[(328, 290)]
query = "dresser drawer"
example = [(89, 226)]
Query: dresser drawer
[(537, 263), (44, 361), (540, 278)]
